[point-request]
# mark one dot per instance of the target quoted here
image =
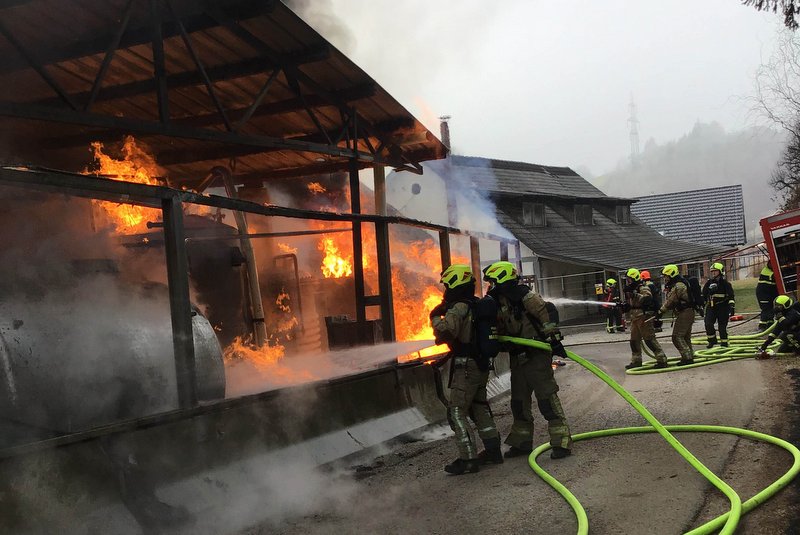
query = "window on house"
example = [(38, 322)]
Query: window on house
[(583, 214), (533, 214), (623, 214)]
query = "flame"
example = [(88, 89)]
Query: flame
[(334, 264), (288, 249), (316, 188), (136, 166)]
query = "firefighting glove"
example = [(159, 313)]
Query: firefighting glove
[(438, 310), (732, 311), (659, 313), (558, 349), (550, 331), (767, 342)]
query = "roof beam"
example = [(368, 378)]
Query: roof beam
[(284, 106), (231, 10), (201, 154), (221, 73), (144, 127)]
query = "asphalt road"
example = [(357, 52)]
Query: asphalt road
[(630, 484)]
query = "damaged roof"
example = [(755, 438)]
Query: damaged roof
[(605, 243), (201, 83)]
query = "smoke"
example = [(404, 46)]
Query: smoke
[(244, 377), (475, 210), (321, 15)]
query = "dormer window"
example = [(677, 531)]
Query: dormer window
[(624, 214), (583, 214), (533, 214)]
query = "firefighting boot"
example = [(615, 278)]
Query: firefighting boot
[(723, 343), (492, 454), (559, 453), (685, 362), (516, 452), (633, 365), (712, 341), (461, 466), (660, 365)]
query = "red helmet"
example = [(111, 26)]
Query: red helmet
[(645, 275)]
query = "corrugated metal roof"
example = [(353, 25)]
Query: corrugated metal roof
[(51, 52), (605, 243), (709, 215)]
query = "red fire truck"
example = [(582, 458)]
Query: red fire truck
[(782, 239)]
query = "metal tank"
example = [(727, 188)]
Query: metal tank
[(93, 354)]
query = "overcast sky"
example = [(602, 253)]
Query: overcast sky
[(550, 82)]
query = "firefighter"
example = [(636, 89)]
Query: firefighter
[(655, 290), (614, 321), (639, 305), (452, 323), (679, 302), (720, 305), (766, 292), (523, 313), (788, 328)]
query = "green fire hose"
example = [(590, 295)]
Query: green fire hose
[(740, 347), (725, 523)]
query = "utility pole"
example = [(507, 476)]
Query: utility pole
[(633, 122)]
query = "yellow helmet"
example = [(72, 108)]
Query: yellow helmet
[(500, 272), (782, 301), (456, 275), (611, 282), (670, 270), (718, 266), (633, 273)]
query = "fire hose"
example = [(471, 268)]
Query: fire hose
[(725, 523), (740, 347)]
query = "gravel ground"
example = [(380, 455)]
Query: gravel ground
[(629, 484)]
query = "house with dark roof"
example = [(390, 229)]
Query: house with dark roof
[(709, 215), (573, 236)]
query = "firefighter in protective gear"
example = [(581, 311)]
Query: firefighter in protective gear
[(523, 313), (766, 292), (655, 290), (639, 304), (452, 324), (720, 305), (788, 328), (614, 321), (680, 304)]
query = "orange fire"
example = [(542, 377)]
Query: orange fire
[(288, 249), (335, 264), (136, 166), (316, 188)]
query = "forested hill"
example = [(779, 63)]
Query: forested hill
[(705, 157)]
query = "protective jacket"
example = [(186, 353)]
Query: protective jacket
[(639, 299), (515, 311), (678, 296), (766, 289), (788, 325), (718, 292), (612, 294), (455, 329)]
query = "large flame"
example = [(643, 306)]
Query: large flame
[(136, 166), (335, 264)]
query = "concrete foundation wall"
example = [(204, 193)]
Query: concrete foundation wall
[(150, 477)]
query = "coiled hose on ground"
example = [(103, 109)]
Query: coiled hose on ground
[(725, 523)]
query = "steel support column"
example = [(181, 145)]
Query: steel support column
[(379, 178), (385, 280), (180, 306), (504, 251), (475, 260), (444, 248), (358, 265)]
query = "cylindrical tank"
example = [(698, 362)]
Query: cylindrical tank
[(93, 354)]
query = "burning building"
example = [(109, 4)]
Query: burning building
[(184, 231)]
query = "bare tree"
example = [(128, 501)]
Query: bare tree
[(788, 9), (777, 99)]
